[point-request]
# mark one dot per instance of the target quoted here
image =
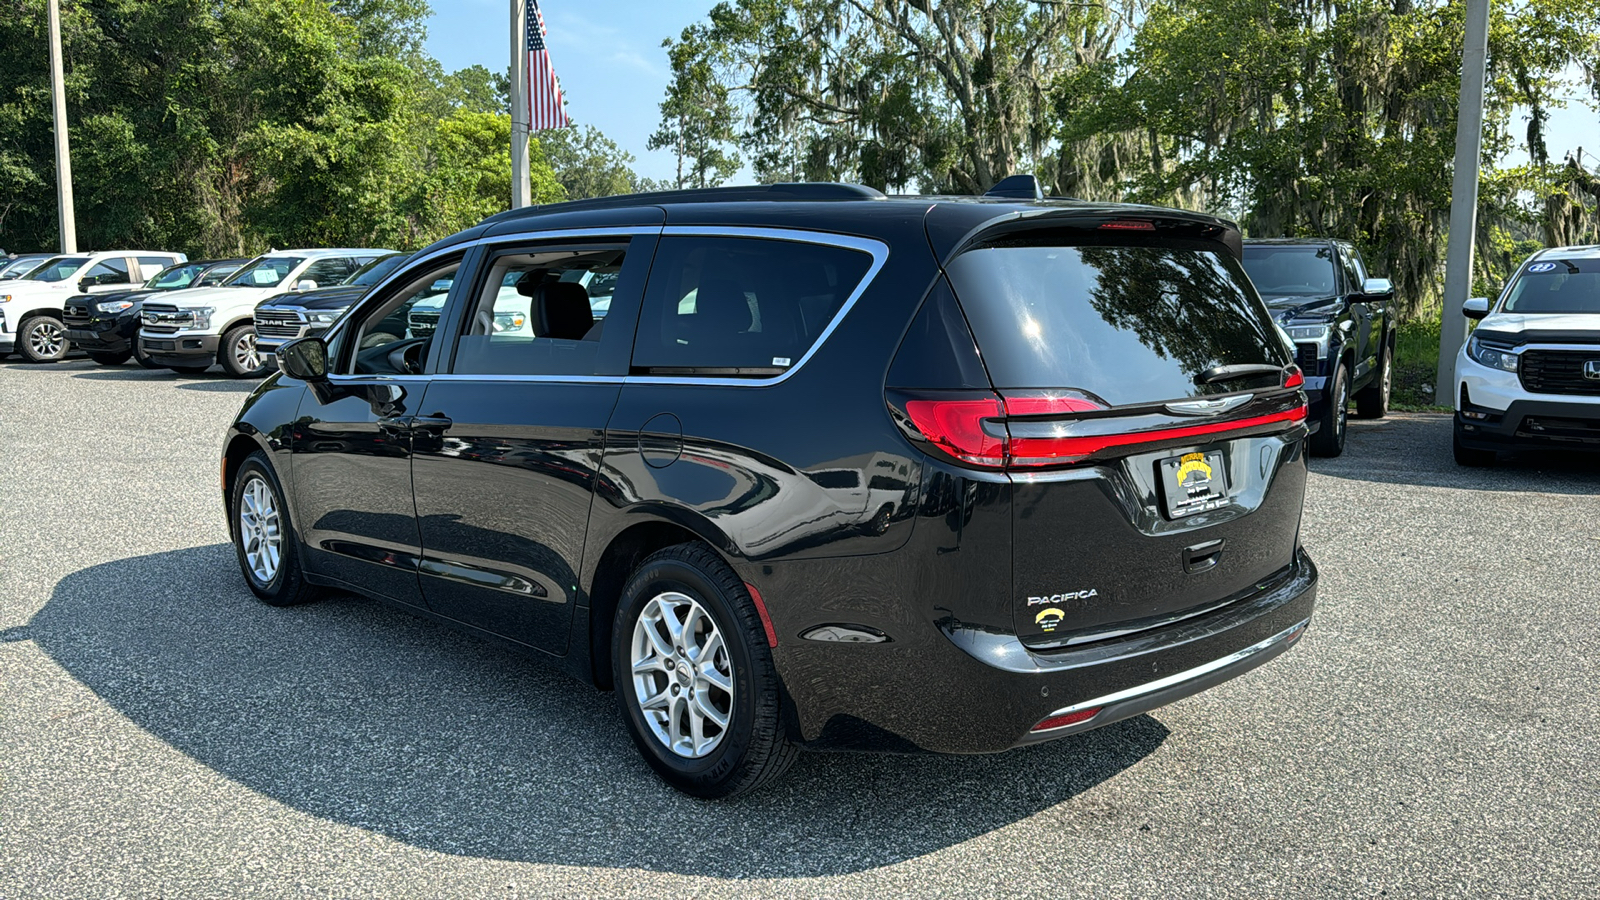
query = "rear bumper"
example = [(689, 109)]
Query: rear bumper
[(180, 349), (978, 690)]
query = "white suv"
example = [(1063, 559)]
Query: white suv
[(217, 325), (30, 307), (1529, 377)]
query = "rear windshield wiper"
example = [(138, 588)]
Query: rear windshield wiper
[(1239, 370)]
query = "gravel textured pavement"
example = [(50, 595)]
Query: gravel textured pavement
[(163, 734)]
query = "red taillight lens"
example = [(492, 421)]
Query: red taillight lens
[(1293, 377), (1128, 225), (1047, 404), (956, 427), (1072, 718), (1054, 451)]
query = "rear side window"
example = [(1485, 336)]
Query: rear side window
[(1129, 324), (741, 306)]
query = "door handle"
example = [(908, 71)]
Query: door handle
[(430, 423), (395, 424)]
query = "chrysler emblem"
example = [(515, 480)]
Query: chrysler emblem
[(1212, 407), (1591, 369)]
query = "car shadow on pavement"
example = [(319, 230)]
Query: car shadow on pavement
[(1414, 448), (363, 715)]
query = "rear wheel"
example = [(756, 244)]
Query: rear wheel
[(1329, 439), (1373, 400), (263, 539), (694, 676), (240, 357), (1469, 456), (42, 339), (112, 359)]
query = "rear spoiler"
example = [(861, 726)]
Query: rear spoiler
[(1078, 220)]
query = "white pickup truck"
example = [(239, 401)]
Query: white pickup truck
[(216, 325), (30, 307)]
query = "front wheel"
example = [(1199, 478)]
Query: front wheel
[(1335, 418), (694, 676), (144, 361), (112, 359), (263, 539), (240, 357), (41, 339)]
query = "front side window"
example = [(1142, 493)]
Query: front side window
[(109, 271), (1288, 275), (59, 269), (535, 314), (328, 272), (396, 337), (741, 306), (1557, 286), (265, 271)]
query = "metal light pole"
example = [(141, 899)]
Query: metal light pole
[(58, 94), (1463, 199), (521, 190)]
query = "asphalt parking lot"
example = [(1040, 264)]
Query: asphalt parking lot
[(162, 733)]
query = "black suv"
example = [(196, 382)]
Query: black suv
[(107, 325), (296, 314), (1340, 322), (836, 469)]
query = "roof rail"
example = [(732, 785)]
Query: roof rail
[(809, 190)]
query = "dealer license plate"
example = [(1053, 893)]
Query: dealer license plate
[(1193, 483)]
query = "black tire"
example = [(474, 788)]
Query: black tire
[(1469, 456), (185, 370), (111, 359), (145, 362), (238, 353), (1333, 424), (753, 749), (42, 339), (286, 584), (1373, 400)]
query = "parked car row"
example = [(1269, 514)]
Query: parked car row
[(167, 312)]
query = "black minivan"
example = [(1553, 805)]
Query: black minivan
[(835, 470)]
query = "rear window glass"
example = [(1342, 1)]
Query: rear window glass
[(1131, 324), (741, 306), (1557, 286)]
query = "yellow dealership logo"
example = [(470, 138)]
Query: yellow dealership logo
[(1048, 619), (1193, 470)]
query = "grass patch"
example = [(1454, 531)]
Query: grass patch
[(1416, 365)]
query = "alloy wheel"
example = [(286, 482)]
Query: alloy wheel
[(46, 339), (260, 528), (246, 353), (682, 675)]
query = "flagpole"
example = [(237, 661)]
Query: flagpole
[(521, 191), (58, 101)]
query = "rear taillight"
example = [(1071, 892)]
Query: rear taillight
[(972, 427), (1293, 377), (957, 426)]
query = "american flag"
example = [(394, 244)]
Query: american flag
[(545, 106)]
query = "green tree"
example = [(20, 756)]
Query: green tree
[(587, 163), (697, 116), (468, 176)]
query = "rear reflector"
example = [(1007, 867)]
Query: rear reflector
[(1293, 377), (766, 618), (1071, 718)]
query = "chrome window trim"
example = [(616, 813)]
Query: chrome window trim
[(878, 250)]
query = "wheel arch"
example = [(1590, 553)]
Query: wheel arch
[(239, 446), (617, 562)]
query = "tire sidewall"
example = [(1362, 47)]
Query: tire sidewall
[(225, 353), (256, 465), (24, 338), (700, 777)]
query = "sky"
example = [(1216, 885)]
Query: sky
[(614, 72), (607, 53)]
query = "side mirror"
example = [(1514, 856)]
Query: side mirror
[(1476, 308), (305, 284), (85, 284), (1378, 288), (305, 359)]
